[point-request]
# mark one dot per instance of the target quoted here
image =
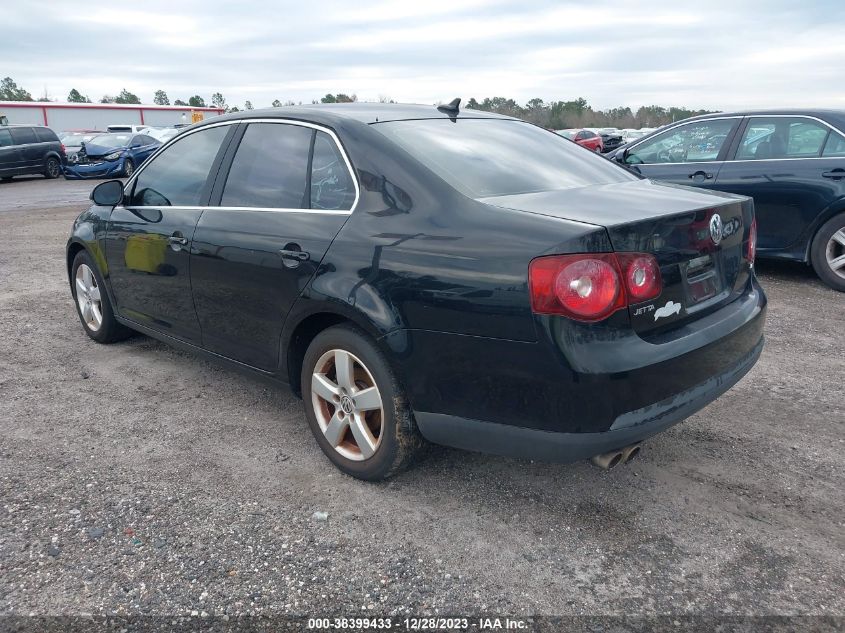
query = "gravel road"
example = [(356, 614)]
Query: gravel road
[(135, 479)]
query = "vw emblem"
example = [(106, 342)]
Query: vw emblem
[(346, 405), (716, 228)]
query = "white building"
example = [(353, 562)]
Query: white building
[(96, 116)]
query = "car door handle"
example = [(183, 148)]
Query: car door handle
[(836, 174), (301, 256), (178, 239), (702, 174)]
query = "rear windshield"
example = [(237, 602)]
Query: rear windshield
[(498, 157)]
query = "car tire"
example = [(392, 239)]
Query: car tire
[(128, 168), (92, 302), (827, 252), (360, 416), (52, 168)]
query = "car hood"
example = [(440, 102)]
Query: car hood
[(614, 204), (98, 150)]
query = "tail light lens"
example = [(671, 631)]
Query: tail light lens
[(64, 149), (592, 286), (751, 251), (642, 276)]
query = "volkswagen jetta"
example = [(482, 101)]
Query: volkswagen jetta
[(429, 273)]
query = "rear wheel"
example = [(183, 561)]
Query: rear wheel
[(92, 302), (827, 253), (356, 407), (128, 167), (53, 168)]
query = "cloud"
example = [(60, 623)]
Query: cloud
[(727, 55)]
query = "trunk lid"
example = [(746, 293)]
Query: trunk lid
[(698, 238)]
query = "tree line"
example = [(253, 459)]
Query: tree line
[(554, 115)]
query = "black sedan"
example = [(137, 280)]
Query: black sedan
[(425, 273), (792, 162)]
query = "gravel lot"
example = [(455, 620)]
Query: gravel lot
[(138, 479)]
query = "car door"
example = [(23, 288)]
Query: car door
[(10, 159), (783, 163), (686, 154), (29, 154), (287, 192), (148, 242)]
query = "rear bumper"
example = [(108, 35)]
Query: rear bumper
[(631, 427), (579, 390)]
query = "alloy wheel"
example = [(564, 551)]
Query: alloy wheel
[(835, 252), (347, 404), (88, 298), (53, 168), (128, 168)]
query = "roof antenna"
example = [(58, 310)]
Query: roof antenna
[(451, 108)]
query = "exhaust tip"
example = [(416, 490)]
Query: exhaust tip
[(606, 461), (630, 452)]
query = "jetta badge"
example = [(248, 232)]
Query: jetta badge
[(716, 228), (668, 310)]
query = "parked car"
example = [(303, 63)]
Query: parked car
[(30, 149), (792, 162), (73, 140), (126, 127), (110, 155), (611, 138), (589, 139), (413, 273), (568, 133)]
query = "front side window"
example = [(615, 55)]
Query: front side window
[(781, 137), (5, 138), (331, 183), (691, 143), (498, 157), (270, 168), (176, 177)]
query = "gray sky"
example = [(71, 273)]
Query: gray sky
[(713, 54)]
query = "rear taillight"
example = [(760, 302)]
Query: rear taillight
[(751, 249), (592, 286), (64, 149)]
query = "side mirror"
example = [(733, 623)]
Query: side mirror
[(108, 194)]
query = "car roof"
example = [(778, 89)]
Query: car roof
[(821, 113), (333, 114)]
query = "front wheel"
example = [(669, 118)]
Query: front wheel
[(827, 253), (53, 168), (128, 168), (356, 407), (92, 302)]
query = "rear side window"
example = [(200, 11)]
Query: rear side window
[(331, 183), (5, 138), (23, 135), (834, 147), (270, 168), (498, 157), (143, 139), (781, 137), (46, 135), (176, 177)]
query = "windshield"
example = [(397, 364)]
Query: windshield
[(112, 140), (499, 157), (77, 138)]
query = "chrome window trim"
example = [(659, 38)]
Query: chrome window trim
[(789, 116), (280, 121), (679, 125)]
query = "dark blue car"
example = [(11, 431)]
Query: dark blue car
[(792, 162), (110, 156)]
